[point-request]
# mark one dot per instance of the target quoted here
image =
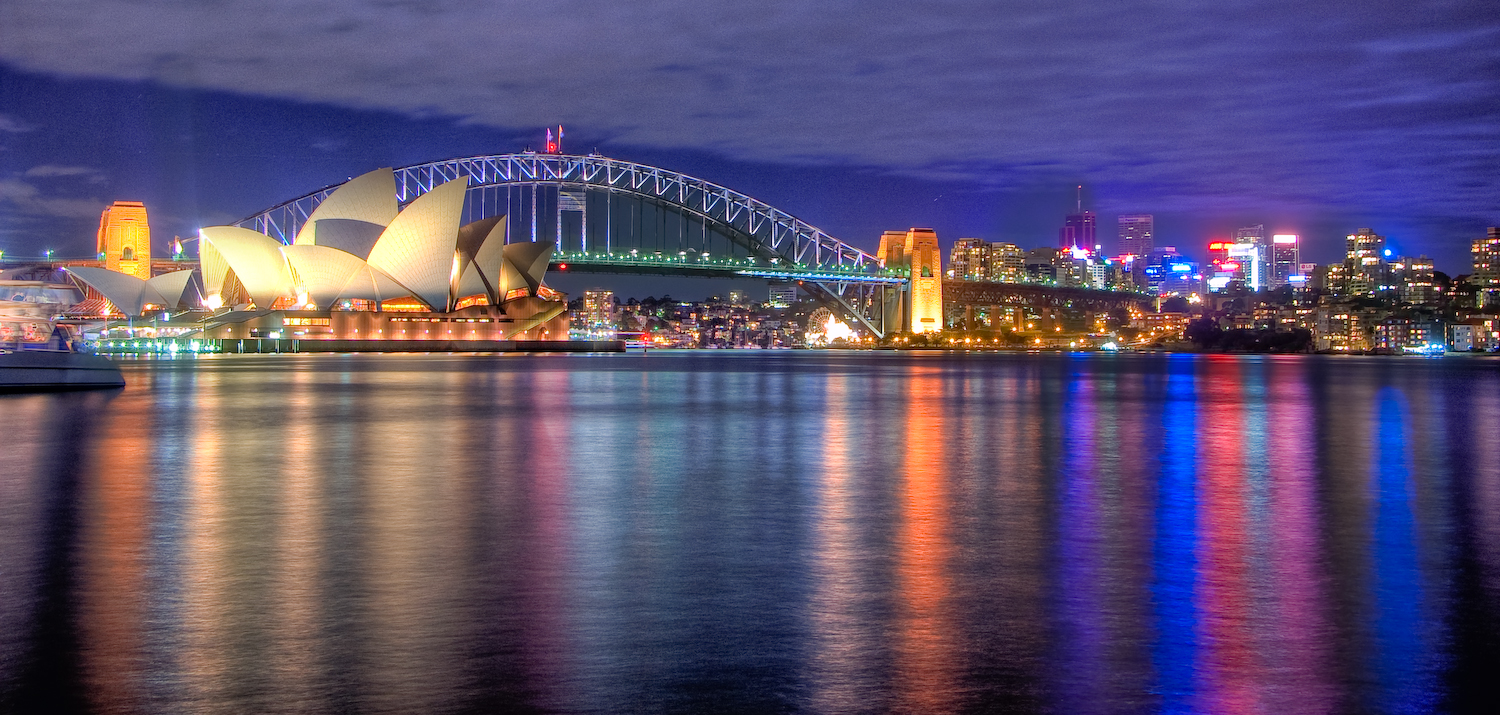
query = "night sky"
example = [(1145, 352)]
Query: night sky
[(976, 119)]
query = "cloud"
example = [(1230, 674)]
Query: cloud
[(13, 125), (28, 200), (53, 171), (1206, 103)]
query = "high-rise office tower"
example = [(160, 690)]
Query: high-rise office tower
[(1078, 231), (1364, 262), (1286, 258), (1250, 252), (1078, 228), (1486, 275), (125, 240), (1136, 234)]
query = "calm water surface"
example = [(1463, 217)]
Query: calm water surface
[(756, 532)]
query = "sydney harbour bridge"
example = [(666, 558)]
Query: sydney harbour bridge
[(610, 216)]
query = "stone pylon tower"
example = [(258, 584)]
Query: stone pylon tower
[(125, 239), (925, 260)]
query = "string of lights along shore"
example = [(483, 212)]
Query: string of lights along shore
[(462, 250)]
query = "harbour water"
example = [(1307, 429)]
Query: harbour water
[(755, 532)]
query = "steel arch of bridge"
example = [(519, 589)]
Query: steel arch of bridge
[(785, 235), (795, 248)]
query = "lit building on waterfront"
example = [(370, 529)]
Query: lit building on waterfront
[(599, 314), (1364, 263), (124, 241), (1486, 275), (974, 259), (1007, 263), (1414, 281), (1136, 234), (969, 260)]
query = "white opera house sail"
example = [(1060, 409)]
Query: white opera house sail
[(357, 245)]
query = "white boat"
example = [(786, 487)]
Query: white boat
[(38, 354)]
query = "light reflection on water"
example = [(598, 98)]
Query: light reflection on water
[(755, 532)]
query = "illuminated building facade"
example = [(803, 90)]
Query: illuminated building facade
[(599, 313), (1249, 251), (1286, 260), (973, 259), (1007, 263), (1364, 262), (969, 260), (1136, 234), (925, 263), (1486, 275), (124, 242), (1414, 280)]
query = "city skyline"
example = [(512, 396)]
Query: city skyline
[(1390, 127)]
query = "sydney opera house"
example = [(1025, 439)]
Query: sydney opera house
[(362, 268)]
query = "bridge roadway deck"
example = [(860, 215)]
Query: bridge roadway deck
[(651, 264)]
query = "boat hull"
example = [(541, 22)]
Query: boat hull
[(41, 370)]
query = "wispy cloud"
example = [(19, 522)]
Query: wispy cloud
[(26, 199), (12, 125), (54, 171)]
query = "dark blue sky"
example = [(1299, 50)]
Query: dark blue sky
[(976, 119)]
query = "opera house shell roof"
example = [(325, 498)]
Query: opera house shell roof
[(130, 294), (358, 245)]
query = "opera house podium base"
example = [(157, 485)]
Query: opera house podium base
[(283, 345)]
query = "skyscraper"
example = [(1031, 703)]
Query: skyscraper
[(125, 239), (1078, 231), (1249, 250), (1078, 228), (1136, 234), (1286, 258)]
